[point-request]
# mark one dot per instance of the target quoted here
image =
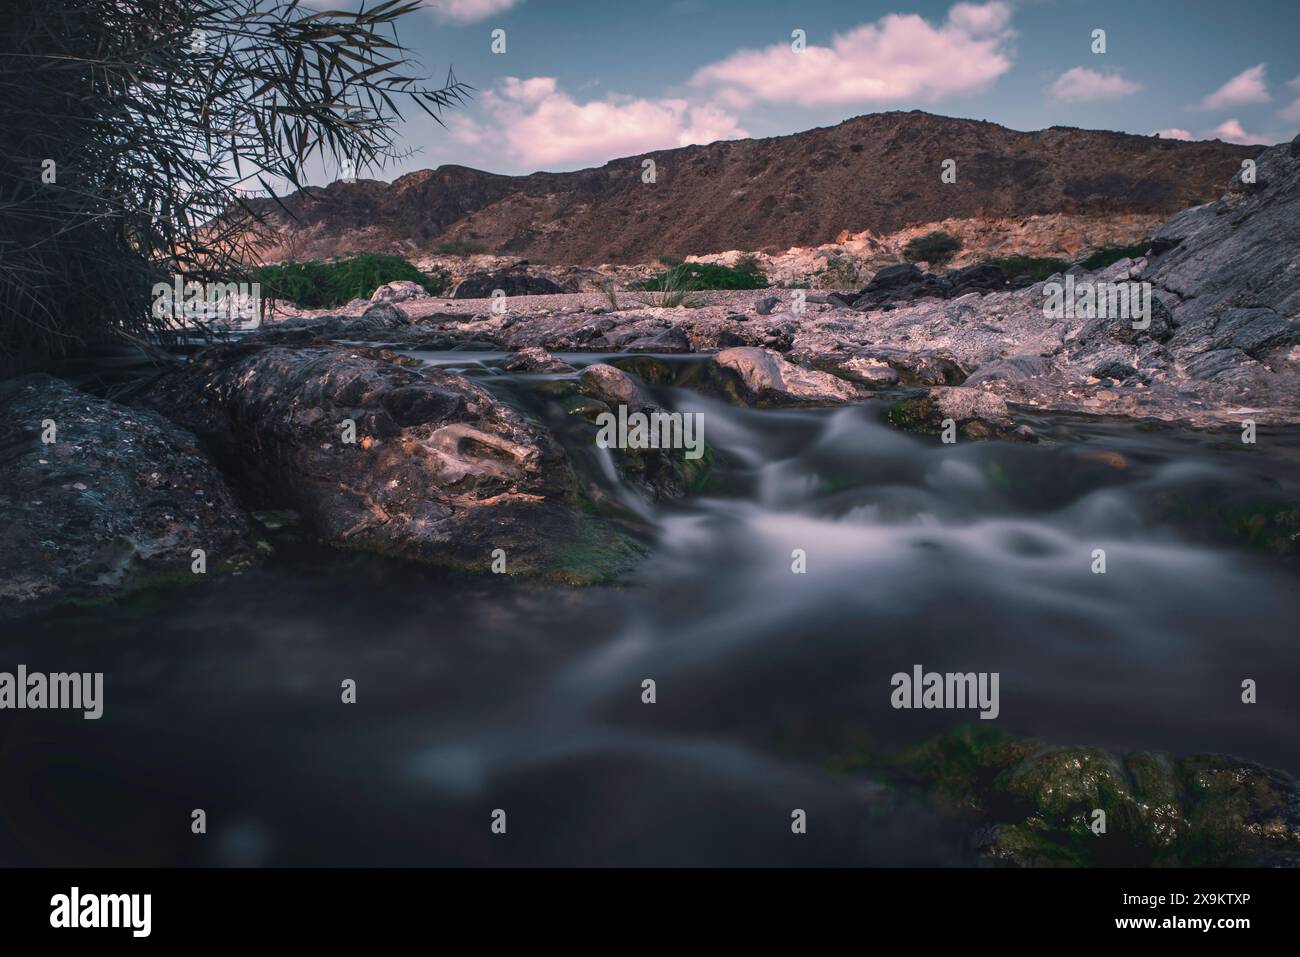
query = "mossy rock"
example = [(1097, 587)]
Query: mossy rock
[(1035, 804)]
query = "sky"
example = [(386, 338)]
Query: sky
[(580, 83)]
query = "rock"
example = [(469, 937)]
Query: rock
[(1113, 370), (1035, 803), (905, 282), (384, 315), (536, 359), (766, 305), (671, 340), (768, 379), (439, 471), (399, 290), (1013, 369), (870, 372), (612, 386), (122, 497), (977, 414), (981, 278), (1231, 264), (483, 285)]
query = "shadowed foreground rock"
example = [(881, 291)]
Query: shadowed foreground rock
[(1036, 803), (439, 471), (120, 498)]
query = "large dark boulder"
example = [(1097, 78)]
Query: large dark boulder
[(481, 285), (120, 498), (439, 469)]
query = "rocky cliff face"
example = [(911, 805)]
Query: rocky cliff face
[(879, 172)]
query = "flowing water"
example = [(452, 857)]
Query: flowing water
[(479, 693)]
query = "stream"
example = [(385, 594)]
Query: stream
[(477, 693)]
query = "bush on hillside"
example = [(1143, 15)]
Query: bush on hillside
[(319, 285), (935, 249), (1113, 254), (698, 276)]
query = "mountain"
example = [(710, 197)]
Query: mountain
[(879, 172)]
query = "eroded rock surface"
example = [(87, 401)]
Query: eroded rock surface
[(121, 497), (439, 469)]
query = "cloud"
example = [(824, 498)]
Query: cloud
[(469, 11), (537, 124), (1082, 85), (898, 57), (1230, 131), (1173, 133), (1292, 113), (1246, 87), (1295, 84)]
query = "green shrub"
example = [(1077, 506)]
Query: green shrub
[(1036, 269), (669, 290), (696, 276), (1113, 254), (932, 248), (318, 285)]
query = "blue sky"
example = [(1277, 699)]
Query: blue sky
[(583, 82)]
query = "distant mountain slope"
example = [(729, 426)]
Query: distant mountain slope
[(879, 172)]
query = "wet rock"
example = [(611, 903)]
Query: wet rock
[(512, 283), (612, 386), (536, 359), (768, 379), (977, 414), (121, 498), (439, 469), (1035, 803)]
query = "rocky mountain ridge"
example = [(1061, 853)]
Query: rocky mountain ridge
[(877, 173)]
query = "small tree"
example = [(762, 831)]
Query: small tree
[(132, 127), (934, 249)]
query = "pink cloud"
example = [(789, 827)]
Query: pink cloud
[(1173, 133), (1230, 131), (469, 11), (1292, 113), (1246, 87), (900, 56), (537, 124), (1082, 85)]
